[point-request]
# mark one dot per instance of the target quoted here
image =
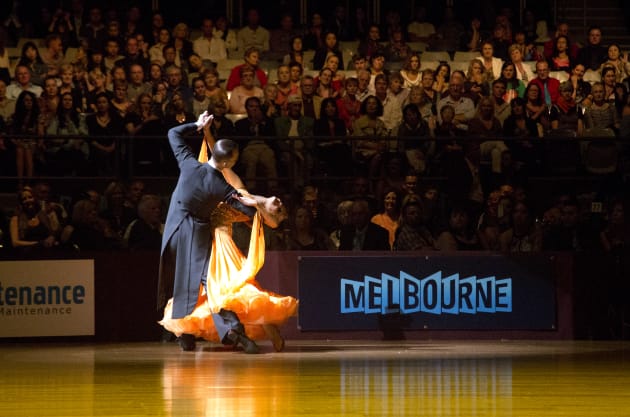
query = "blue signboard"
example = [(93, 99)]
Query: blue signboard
[(426, 292)]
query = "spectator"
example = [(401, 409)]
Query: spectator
[(270, 108), (137, 85), (593, 54), (145, 232), (176, 81), (420, 29), (304, 235), (280, 38), (314, 37), (618, 61), (525, 236), (363, 88), (463, 106), (448, 34), (252, 35), (548, 85), (560, 58), (371, 45), (213, 84), (349, 105), (325, 87), (133, 55), (333, 151), (519, 125), (330, 46), (600, 114), (94, 30), (514, 87), (221, 125), (252, 59), (30, 58), (343, 220), (119, 102), (411, 70), (223, 31), (27, 129), (156, 26), (284, 86), (112, 54), (565, 114), (412, 233), (208, 47), (183, 45), (536, 108), (487, 127), (367, 152), (332, 63), (477, 80), (339, 24), (296, 153), (562, 29), (242, 92), (397, 50), (491, 63), (362, 234), (144, 121), (67, 155), (295, 52), (389, 215), (414, 134), (311, 102), (441, 77), (523, 70), (615, 236), (30, 227), (156, 51), (571, 234), (459, 234), (258, 150), (22, 83), (501, 105), (104, 126), (87, 230), (7, 105)]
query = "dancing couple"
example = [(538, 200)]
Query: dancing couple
[(214, 292)]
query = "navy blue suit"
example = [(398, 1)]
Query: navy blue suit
[(187, 237)]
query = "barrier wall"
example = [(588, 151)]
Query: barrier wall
[(125, 294)]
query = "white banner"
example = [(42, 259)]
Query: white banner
[(47, 298)]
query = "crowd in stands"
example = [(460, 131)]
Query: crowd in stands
[(377, 120)]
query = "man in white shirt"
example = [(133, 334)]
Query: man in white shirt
[(253, 35), (420, 30), (22, 83), (209, 48), (464, 107)]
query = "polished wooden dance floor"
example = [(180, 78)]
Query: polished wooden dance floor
[(318, 378)]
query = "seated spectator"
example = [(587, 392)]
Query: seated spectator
[(269, 106), (363, 88), (547, 85), (22, 82), (31, 58), (296, 52), (252, 35), (513, 86), (411, 70), (88, 231), (395, 97), (486, 126), (397, 50), (367, 152), (133, 55), (145, 232), (464, 107), (343, 220), (144, 121), (412, 234), (112, 56), (330, 47), (560, 59), (349, 105), (103, 127), (391, 175), (120, 103), (361, 234), (414, 137), (389, 214), (116, 214), (252, 60), (53, 54), (600, 114), (459, 234), (593, 54), (313, 38), (26, 130), (523, 70), (284, 86), (491, 63), (304, 235), (208, 47), (565, 114), (244, 90), (325, 87), (30, 227), (519, 125), (536, 108), (200, 99), (525, 236), (156, 51), (615, 236), (213, 84), (258, 150), (221, 125), (67, 156), (181, 42), (7, 105), (501, 105), (296, 153), (571, 234), (441, 77), (223, 31), (333, 150), (581, 88), (311, 102), (476, 84), (280, 38)]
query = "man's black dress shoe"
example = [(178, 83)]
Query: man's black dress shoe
[(187, 342), (249, 346)]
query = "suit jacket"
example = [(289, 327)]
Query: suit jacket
[(376, 238), (187, 236)]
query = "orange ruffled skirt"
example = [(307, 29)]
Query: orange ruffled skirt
[(232, 286)]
